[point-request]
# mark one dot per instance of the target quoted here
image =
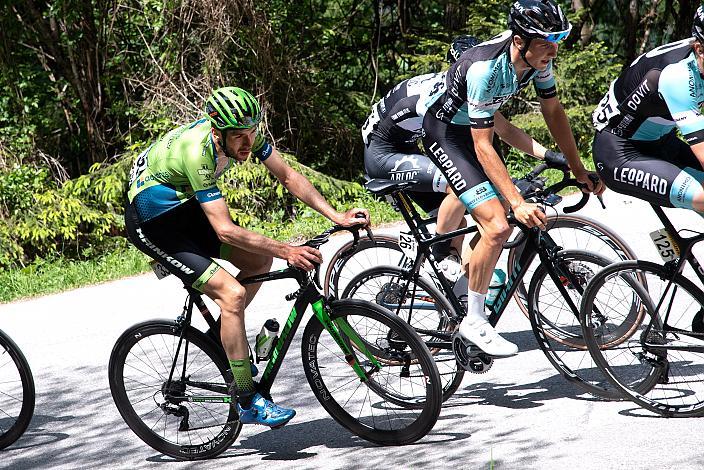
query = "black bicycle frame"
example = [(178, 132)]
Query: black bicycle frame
[(536, 242), (684, 244), (307, 294)]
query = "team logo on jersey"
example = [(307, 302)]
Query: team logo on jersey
[(405, 169), (640, 179)]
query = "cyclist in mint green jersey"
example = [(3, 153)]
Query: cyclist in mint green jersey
[(458, 129), (636, 148), (176, 214)]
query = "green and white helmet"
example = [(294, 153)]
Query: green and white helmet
[(232, 108)]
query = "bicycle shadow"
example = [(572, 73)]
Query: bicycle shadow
[(298, 441), (518, 396)]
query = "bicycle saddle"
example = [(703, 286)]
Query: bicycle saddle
[(382, 187)]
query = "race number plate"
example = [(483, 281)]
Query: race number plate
[(159, 269), (408, 244), (666, 246)]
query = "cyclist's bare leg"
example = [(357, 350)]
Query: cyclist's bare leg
[(495, 230), (249, 264), (450, 213), (450, 217), (469, 249), (491, 217), (231, 297)]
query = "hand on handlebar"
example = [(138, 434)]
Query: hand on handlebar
[(354, 216), (591, 182), (303, 257), (556, 160), (530, 215)]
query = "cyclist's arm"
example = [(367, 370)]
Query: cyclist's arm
[(219, 217), (517, 138), (560, 129), (299, 186), (493, 166)]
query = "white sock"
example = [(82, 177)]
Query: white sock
[(475, 308)]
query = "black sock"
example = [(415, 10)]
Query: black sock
[(245, 399), (441, 250)]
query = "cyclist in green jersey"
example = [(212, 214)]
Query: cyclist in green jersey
[(176, 214)]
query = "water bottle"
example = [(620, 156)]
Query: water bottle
[(266, 338), (498, 281)]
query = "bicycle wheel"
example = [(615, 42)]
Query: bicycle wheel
[(571, 232), (346, 264), (16, 392), (660, 364), (556, 324), (423, 307), (407, 373), (159, 410)]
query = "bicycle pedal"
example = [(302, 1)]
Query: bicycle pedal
[(470, 357)]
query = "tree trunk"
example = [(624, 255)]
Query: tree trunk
[(683, 18), (73, 49), (631, 19)]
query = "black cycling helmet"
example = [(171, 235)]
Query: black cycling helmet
[(542, 19), (698, 25), (460, 44)]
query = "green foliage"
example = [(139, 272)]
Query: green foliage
[(487, 18), (430, 57), (534, 124), (75, 219), (81, 218), (584, 73), (18, 186)]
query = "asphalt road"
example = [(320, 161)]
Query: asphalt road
[(520, 414)]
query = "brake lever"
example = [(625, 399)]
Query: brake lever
[(595, 181)]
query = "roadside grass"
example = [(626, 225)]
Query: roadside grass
[(51, 276), (47, 277)]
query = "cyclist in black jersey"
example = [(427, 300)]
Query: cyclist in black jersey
[(636, 149), (176, 214), (459, 118)]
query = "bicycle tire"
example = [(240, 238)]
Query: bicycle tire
[(321, 376), (599, 236), (150, 338), (557, 328), (13, 363), (337, 275), (595, 237), (451, 374), (647, 375)]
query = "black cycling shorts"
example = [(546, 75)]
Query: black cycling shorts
[(402, 163), (664, 172), (182, 240), (451, 148)]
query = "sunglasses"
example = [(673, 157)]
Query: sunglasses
[(559, 36)]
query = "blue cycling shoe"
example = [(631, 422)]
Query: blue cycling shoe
[(263, 411)]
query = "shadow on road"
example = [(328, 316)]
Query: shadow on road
[(517, 396)]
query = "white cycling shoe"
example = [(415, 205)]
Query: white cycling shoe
[(481, 334), (451, 268)]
